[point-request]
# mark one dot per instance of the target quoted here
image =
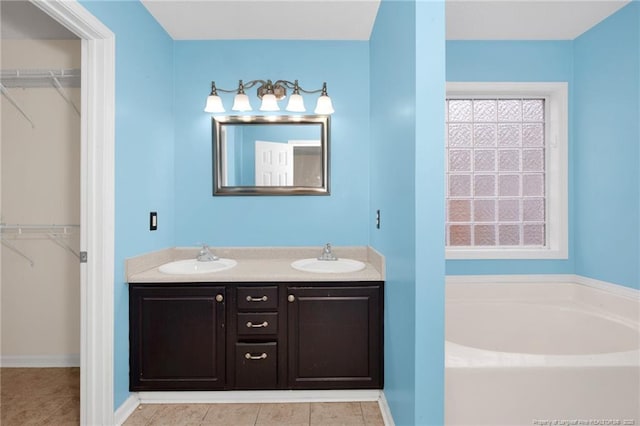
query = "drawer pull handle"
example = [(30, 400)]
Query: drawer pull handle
[(291, 298), (259, 357), (257, 299), (219, 298), (261, 325)]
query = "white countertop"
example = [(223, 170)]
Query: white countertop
[(255, 264)]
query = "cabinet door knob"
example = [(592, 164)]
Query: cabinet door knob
[(257, 299), (262, 324), (219, 298), (291, 298), (258, 357)]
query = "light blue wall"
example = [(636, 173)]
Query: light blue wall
[(429, 194), (263, 221), (607, 155), (509, 61), (524, 61), (392, 183), (144, 164), (406, 184)]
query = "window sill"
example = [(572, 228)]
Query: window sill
[(465, 253)]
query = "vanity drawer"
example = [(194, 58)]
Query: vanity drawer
[(257, 298), (257, 324), (256, 365)]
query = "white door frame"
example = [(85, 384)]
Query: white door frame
[(97, 207)]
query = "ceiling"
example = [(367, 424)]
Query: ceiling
[(265, 19), (354, 19), (525, 20), (333, 19), (22, 20)]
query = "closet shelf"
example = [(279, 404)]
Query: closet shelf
[(39, 78), (55, 233)]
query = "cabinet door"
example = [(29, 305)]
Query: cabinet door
[(176, 337), (335, 337)]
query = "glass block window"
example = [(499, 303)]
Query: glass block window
[(495, 168)]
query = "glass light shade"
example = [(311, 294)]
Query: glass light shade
[(324, 105), (214, 104), (296, 103), (269, 103), (241, 103)]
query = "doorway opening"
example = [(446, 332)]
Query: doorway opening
[(96, 205)]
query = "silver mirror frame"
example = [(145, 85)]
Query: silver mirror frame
[(219, 122)]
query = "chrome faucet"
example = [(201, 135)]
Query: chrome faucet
[(327, 254), (204, 255)]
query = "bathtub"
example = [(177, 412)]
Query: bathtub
[(541, 353)]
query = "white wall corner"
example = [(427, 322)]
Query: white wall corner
[(126, 409)]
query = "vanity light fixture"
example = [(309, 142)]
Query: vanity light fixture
[(214, 102), (270, 93)]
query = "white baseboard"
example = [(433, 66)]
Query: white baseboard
[(126, 409), (385, 410), (255, 397), (39, 361)]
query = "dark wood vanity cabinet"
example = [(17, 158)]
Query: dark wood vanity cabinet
[(177, 337), (203, 336)]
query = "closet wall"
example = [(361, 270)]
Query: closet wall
[(40, 185)]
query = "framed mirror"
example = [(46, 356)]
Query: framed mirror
[(271, 155)]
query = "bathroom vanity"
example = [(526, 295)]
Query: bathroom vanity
[(260, 325)]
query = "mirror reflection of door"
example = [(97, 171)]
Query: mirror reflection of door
[(274, 164), (296, 163)]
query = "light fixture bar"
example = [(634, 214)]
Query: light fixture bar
[(270, 93)]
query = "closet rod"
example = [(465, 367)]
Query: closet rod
[(32, 225), (45, 229), (28, 78)]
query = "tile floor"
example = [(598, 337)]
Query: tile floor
[(51, 396), (299, 414), (39, 396)]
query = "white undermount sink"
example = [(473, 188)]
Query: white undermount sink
[(194, 266), (339, 266)]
